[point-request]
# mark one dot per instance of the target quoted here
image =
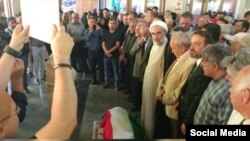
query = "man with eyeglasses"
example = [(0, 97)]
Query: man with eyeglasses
[(64, 104), (215, 106)]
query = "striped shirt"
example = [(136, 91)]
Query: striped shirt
[(215, 106)]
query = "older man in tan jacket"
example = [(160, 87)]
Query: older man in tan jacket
[(169, 89)]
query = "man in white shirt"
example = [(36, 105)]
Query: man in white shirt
[(240, 94), (234, 65)]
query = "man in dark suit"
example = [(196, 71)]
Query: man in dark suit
[(140, 51), (197, 82)]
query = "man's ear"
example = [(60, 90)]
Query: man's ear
[(215, 66), (246, 95), (183, 49)]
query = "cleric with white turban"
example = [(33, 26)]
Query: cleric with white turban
[(153, 74), (159, 23)]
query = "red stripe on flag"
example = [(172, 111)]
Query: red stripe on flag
[(107, 126)]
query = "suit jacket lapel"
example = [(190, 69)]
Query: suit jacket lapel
[(168, 71), (197, 70), (147, 51)]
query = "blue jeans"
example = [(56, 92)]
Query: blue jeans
[(93, 58), (107, 72)]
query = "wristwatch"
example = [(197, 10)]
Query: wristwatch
[(11, 51)]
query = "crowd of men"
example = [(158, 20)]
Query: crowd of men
[(175, 73)]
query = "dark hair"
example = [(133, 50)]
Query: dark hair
[(112, 19), (155, 14), (245, 24), (246, 14), (174, 15), (205, 34), (178, 28), (155, 7), (207, 13), (214, 29), (161, 17), (99, 22), (105, 9), (187, 15), (11, 19)]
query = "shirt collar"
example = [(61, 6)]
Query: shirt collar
[(198, 62)]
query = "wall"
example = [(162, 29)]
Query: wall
[(247, 8), (86, 5), (16, 7), (170, 5), (240, 9), (1, 5)]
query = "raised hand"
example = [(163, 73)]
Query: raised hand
[(19, 36), (61, 45)]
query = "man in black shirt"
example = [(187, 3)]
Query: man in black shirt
[(110, 45)]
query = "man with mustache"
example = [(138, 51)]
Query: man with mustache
[(197, 82)]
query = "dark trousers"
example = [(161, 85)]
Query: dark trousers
[(114, 62), (84, 58), (93, 58), (79, 57), (25, 57), (137, 92), (165, 127), (162, 126), (101, 66), (122, 72), (126, 74)]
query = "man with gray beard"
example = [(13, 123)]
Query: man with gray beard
[(153, 74)]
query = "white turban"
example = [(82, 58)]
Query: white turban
[(159, 23)]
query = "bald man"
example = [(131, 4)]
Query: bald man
[(240, 94)]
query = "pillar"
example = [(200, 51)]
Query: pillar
[(129, 6), (240, 9)]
